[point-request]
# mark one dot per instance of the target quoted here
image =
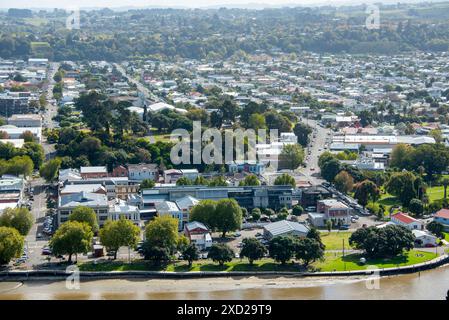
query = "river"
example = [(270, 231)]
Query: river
[(432, 284)]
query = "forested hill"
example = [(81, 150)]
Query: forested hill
[(222, 33)]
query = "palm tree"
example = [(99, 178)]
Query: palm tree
[(445, 183)]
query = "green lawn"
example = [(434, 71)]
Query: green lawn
[(335, 262), (202, 265), (388, 201), (334, 240), (435, 193), (446, 236)]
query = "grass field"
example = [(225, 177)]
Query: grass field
[(332, 262), (334, 240), (435, 193), (335, 262), (388, 201)]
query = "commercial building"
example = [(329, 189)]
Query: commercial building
[(274, 197), (97, 202), (284, 228)]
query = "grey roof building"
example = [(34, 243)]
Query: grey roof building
[(285, 228)]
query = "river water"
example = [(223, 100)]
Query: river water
[(432, 284)]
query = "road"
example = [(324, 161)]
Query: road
[(39, 205), (140, 86), (317, 145), (51, 110)]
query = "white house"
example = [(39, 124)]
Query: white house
[(424, 239), (405, 220)]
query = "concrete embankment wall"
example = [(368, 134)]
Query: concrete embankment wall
[(51, 275)]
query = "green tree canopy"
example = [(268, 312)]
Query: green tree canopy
[(85, 214), (162, 232), (281, 248), (11, 244), (221, 253), (119, 233), (71, 238), (252, 249), (49, 170), (20, 219), (285, 180)]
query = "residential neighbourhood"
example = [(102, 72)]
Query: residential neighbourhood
[(268, 158)]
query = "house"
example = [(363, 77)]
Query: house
[(198, 234), (11, 192), (442, 217), (405, 220), (284, 228), (190, 174), (69, 175), (424, 239), (120, 171), (121, 209), (97, 202), (310, 196), (25, 120), (330, 209), (140, 172), (170, 208), (247, 166), (172, 175), (77, 188), (93, 172)]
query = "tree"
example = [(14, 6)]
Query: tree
[(302, 131), (255, 213), (308, 250), (400, 156), (329, 225), (250, 180), (183, 181), (162, 232), (365, 191), (227, 216), (281, 248), (416, 207), (383, 242), (20, 165), (252, 249), (85, 214), (159, 255), (11, 244), (27, 136), (71, 238), (190, 253), (297, 210), (147, 184), (221, 253), (204, 212), (315, 234), (436, 228), (292, 155), (433, 157), (402, 185), (285, 180), (344, 182), (20, 219), (445, 184), (119, 233), (49, 170), (330, 169), (256, 121)]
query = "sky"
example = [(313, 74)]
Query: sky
[(167, 3)]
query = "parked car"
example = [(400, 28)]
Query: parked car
[(344, 227), (46, 251)]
